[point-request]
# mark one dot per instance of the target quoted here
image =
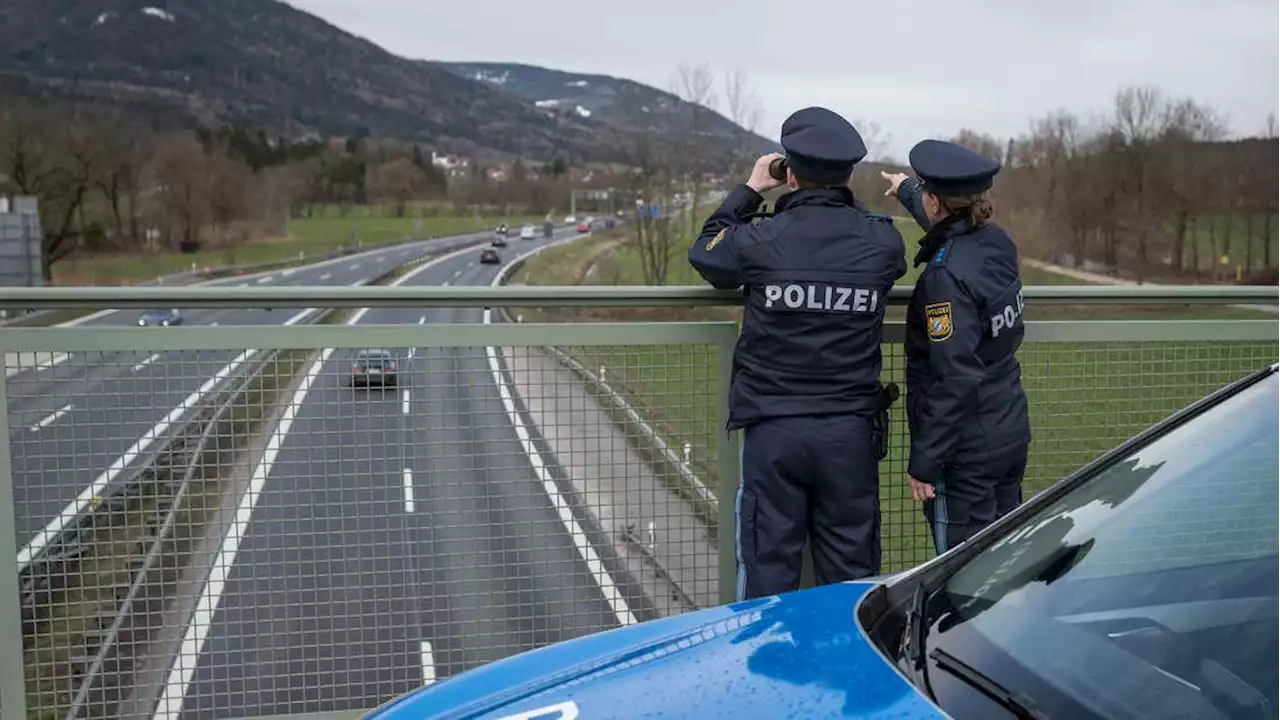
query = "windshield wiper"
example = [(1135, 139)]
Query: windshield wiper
[(1020, 705), (913, 637)]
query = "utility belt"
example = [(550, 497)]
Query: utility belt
[(880, 419)]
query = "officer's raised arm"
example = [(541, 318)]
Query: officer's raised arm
[(715, 253), (954, 328)]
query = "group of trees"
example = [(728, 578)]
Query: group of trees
[(108, 183), (1152, 190)]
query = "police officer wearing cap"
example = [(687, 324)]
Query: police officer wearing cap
[(965, 404), (816, 274)]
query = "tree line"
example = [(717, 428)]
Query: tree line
[(1152, 189), (107, 182)]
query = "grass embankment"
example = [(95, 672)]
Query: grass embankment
[(1085, 398), (306, 237)]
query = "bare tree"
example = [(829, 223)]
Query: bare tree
[(875, 137), (696, 86), (180, 178), (125, 148), (744, 110)]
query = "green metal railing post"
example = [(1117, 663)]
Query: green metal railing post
[(13, 690), (727, 444)]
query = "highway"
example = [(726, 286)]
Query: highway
[(80, 421), (394, 537)]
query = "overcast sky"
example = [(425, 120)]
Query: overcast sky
[(922, 68)]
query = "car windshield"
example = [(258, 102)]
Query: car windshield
[(373, 359), (1148, 591)]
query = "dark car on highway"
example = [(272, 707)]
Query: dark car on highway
[(162, 318), (373, 367), (499, 241), (1144, 585), (489, 257)]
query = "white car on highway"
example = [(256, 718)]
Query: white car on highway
[(570, 219), (527, 232)]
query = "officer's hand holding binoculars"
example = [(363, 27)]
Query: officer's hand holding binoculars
[(762, 180)]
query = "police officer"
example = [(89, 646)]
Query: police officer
[(805, 391), (965, 404)]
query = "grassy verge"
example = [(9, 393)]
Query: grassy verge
[(305, 237), (1085, 398)]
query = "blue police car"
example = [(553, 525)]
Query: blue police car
[(1142, 586)]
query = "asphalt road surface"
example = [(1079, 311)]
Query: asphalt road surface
[(81, 421), (397, 537)]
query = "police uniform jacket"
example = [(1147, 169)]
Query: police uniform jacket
[(965, 401), (816, 276)]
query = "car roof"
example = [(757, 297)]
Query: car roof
[(371, 352)]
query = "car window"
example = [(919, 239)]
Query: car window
[(1148, 591)]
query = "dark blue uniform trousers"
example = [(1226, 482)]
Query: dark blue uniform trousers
[(807, 477), (972, 495)]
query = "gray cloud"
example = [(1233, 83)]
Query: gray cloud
[(919, 69)]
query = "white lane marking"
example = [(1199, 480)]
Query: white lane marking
[(325, 276), (404, 403), (21, 362), (411, 353), (456, 273), (52, 418), (266, 279), (148, 361), (417, 246), (355, 266), (445, 283), (408, 490), (422, 320), (428, 664), (188, 657), (90, 493), (595, 567), (288, 272), (213, 324)]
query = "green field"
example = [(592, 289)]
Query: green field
[(1085, 398), (304, 237)]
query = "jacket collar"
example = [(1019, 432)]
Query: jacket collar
[(821, 197), (939, 234)]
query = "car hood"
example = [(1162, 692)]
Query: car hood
[(795, 655)]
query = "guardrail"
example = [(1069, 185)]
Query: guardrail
[(490, 501)]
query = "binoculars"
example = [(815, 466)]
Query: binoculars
[(778, 169)]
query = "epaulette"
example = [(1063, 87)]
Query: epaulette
[(940, 256)]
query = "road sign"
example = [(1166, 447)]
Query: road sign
[(21, 262)]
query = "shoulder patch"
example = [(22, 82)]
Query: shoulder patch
[(937, 318), (713, 242)]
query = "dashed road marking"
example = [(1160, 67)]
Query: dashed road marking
[(404, 403), (146, 362), (407, 477), (428, 664), (52, 418)]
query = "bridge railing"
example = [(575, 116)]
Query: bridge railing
[(236, 518)]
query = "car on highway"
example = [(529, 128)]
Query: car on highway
[(528, 232), (373, 366), (583, 227), (501, 230), (1143, 585), (499, 241), (161, 318), (489, 257), (570, 219)]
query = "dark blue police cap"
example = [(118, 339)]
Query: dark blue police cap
[(821, 146), (951, 170)]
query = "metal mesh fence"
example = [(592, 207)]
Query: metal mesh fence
[(230, 533)]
